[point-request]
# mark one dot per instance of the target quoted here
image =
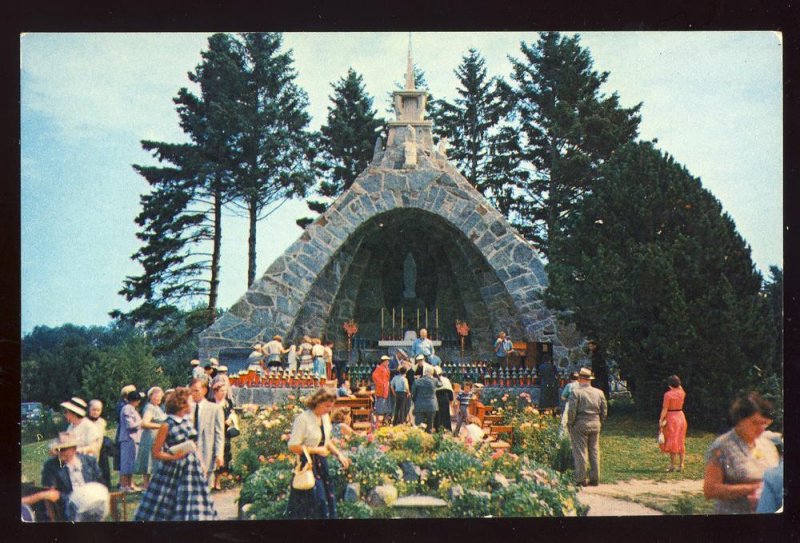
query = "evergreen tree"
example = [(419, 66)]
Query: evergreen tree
[(272, 149), (567, 130), (182, 214), (346, 141), (651, 266), (469, 125), (132, 362)]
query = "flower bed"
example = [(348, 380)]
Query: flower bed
[(474, 479)]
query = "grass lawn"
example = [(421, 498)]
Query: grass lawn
[(628, 450)]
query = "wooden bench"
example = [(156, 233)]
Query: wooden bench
[(498, 431), (491, 420), (115, 499)]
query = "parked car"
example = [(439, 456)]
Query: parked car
[(32, 411)]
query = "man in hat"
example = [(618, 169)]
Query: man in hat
[(197, 369), (88, 437), (209, 421), (64, 473), (383, 407), (586, 412)]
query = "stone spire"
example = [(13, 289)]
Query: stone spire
[(410, 68)]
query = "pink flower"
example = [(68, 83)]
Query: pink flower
[(271, 460), (353, 449), (370, 438), (383, 448), (291, 397), (261, 458), (469, 440)]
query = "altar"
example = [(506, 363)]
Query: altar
[(403, 343)]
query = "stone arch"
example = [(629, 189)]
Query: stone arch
[(295, 291)]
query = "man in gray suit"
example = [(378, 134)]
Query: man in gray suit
[(585, 416), (209, 421)]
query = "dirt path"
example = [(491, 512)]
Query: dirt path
[(226, 505), (619, 498)]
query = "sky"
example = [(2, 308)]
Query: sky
[(712, 99)]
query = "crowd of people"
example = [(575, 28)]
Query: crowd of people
[(179, 441), (311, 354), (178, 444)]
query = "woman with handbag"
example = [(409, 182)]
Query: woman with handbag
[(672, 424), (311, 442), (220, 390)]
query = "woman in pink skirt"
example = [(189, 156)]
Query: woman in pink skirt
[(673, 423)]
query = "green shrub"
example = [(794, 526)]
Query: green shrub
[(369, 466), (458, 467), (529, 499), (353, 510), (471, 505), (267, 485)]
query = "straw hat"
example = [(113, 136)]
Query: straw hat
[(65, 440), (80, 402), (69, 406), (585, 373), (222, 369), (385, 357), (195, 362), (420, 357)]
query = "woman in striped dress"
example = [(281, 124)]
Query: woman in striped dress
[(178, 489)]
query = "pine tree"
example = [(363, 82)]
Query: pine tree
[(346, 141), (651, 266), (182, 214), (469, 124), (273, 148), (567, 130)]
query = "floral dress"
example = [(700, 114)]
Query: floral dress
[(179, 488), (740, 464)]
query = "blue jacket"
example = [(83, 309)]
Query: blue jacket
[(54, 475)]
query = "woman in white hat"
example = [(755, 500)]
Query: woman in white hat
[(84, 431)]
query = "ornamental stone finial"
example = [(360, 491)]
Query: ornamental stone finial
[(410, 68)]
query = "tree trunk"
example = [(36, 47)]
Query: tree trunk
[(552, 197), (251, 243), (215, 257)]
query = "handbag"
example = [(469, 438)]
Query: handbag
[(303, 478), (661, 439)]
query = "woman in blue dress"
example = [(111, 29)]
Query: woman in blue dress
[(178, 489), (153, 417)]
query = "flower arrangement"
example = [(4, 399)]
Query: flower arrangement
[(462, 328), (350, 328), (445, 467)]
